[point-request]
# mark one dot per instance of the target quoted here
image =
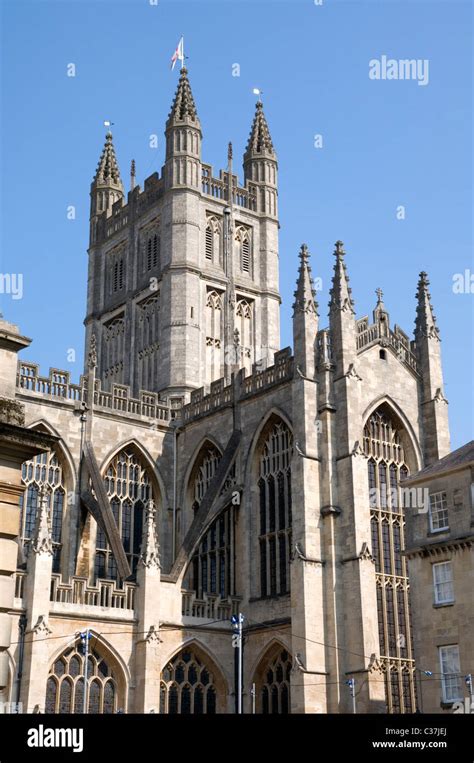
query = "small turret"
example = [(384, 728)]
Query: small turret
[(305, 317), (342, 315), (183, 138), (106, 187), (260, 163)]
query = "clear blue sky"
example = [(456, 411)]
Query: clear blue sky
[(385, 144)]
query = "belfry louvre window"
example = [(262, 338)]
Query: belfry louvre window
[(187, 686), (153, 251), (244, 249), (128, 488), (386, 469), (43, 471), (65, 684), (274, 490)]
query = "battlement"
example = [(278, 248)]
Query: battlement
[(59, 385), (218, 188), (138, 203), (379, 333), (221, 395)]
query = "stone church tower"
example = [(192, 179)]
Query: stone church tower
[(183, 285), (197, 470)]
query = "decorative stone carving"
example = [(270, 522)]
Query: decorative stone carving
[(42, 627), (12, 411), (150, 551), (43, 541)]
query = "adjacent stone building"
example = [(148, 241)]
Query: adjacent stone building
[(440, 553), (201, 471)]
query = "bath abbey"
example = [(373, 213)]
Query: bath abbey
[(198, 471)]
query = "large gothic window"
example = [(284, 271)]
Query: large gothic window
[(214, 341), (128, 487), (188, 686), (203, 473), (65, 684), (43, 471), (274, 490), (147, 342), (272, 683), (212, 569), (113, 350), (387, 467)]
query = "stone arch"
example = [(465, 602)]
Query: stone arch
[(146, 456), (250, 468), (103, 655), (45, 426), (209, 662), (55, 470), (138, 470), (207, 440), (411, 442), (272, 677)]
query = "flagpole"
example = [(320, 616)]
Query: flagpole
[(182, 51)]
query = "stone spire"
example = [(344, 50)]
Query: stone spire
[(260, 141), (260, 164), (42, 539), (434, 408), (305, 317), (183, 108), (108, 173), (183, 139), (341, 292), (425, 323), (106, 187), (305, 293), (342, 316), (150, 550)]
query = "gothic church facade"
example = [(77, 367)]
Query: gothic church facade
[(199, 470)]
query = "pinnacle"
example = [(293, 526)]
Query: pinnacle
[(108, 172), (183, 106), (305, 293), (260, 140), (340, 291), (425, 322)]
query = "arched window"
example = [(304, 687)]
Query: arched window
[(272, 683), (214, 343), (212, 247), (188, 686), (244, 249), (129, 488), (65, 684), (45, 471), (211, 570), (244, 325), (274, 489), (153, 246), (383, 444)]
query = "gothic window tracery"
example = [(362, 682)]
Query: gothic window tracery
[(43, 471), (128, 486), (275, 520), (214, 342), (188, 686), (65, 684), (245, 326), (147, 342), (387, 468), (113, 350), (273, 683)]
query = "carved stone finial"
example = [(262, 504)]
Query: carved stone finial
[(229, 152), (43, 540), (92, 356), (150, 550), (379, 294), (339, 250)]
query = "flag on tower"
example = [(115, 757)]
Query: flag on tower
[(178, 54)]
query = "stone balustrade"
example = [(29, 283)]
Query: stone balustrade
[(210, 606)]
